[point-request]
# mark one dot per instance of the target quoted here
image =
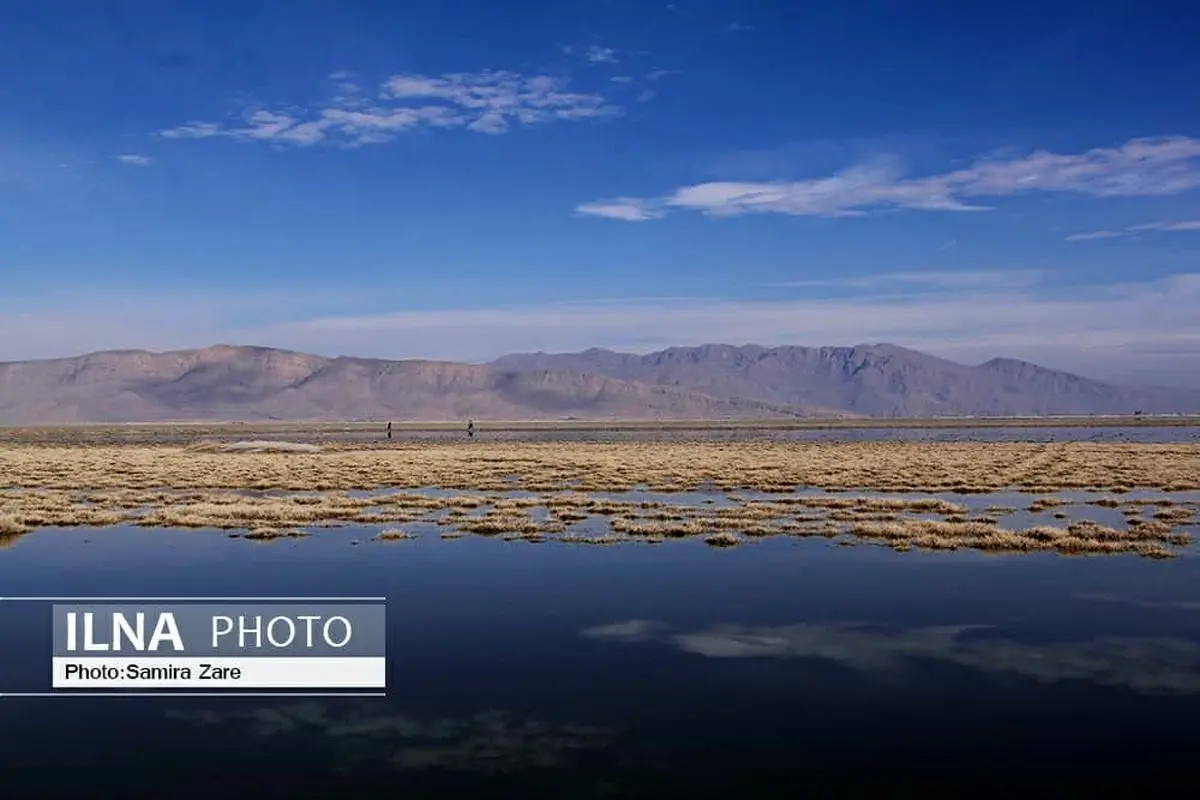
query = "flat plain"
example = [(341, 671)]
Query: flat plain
[(265, 481)]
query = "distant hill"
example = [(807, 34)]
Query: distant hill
[(708, 382), (880, 380), (258, 383)]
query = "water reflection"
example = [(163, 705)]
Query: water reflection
[(494, 741), (1142, 664), (1098, 597)]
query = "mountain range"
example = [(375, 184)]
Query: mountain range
[(715, 381)]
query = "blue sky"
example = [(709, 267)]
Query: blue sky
[(460, 179)]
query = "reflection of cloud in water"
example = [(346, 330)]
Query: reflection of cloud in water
[(492, 741), (634, 630), (1142, 664), (1184, 605)]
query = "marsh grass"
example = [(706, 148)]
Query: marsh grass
[(11, 526), (1175, 514), (1077, 538), (722, 539), (887, 466), (270, 534), (260, 490), (395, 535), (1043, 503)]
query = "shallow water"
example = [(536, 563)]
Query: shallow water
[(670, 670), (1145, 433)]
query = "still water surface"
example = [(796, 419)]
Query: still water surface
[(778, 668)]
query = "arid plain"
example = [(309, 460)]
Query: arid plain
[(266, 481)]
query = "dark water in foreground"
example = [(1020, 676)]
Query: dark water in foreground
[(779, 668)]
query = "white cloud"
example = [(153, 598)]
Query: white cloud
[(1140, 167), (135, 160), (192, 130), (1148, 330), (489, 102), (629, 209), (1083, 237), (601, 55), (1183, 225), (594, 54), (929, 280)]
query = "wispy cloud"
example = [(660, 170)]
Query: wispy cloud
[(629, 209), (491, 102), (929, 280), (593, 54), (1140, 167), (1084, 237), (135, 160), (1143, 330), (601, 55), (1133, 230), (1141, 664)]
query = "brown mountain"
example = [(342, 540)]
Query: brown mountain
[(873, 380), (257, 383)]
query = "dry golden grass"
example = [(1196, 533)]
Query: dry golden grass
[(190, 487), (1043, 503), (395, 535), (11, 526), (723, 539), (1077, 538), (271, 516), (270, 534), (1175, 514), (256, 446), (538, 466)]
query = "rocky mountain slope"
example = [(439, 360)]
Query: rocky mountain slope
[(873, 380), (256, 383), (708, 382)]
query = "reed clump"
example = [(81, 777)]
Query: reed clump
[(11, 526), (270, 534), (1078, 537), (395, 535)]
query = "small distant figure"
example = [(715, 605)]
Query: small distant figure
[(389, 430), (471, 428), (1137, 413)]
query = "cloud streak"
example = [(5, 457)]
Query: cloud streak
[(1138, 168), (489, 102), (135, 160), (1133, 230), (930, 281)]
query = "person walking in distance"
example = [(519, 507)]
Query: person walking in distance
[(471, 428), (389, 430)]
